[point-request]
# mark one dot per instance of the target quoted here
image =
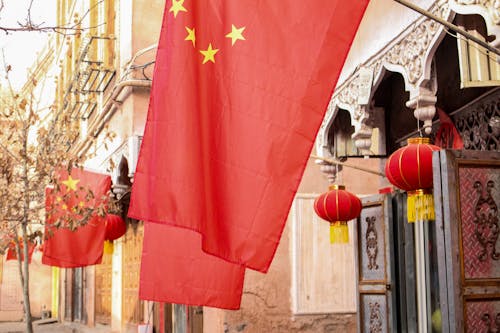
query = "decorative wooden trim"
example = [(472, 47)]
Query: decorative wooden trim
[(462, 162), (381, 203)]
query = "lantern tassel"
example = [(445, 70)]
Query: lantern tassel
[(339, 232), (108, 247), (420, 206)]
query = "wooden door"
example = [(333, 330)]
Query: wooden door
[(103, 284), (68, 294), (467, 194), (78, 295), (375, 266), (132, 307), (195, 319)]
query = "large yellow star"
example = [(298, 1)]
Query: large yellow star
[(235, 34), (209, 54), (71, 183), (177, 6), (191, 35)]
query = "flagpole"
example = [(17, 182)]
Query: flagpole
[(450, 26), (331, 161)]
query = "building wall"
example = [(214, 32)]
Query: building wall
[(11, 297)]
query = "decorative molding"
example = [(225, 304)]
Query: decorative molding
[(375, 318), (409, 54), (371, 242), (329, 170), (479, 123), (488, 9), (493, 325)]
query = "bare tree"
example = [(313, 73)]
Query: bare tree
[(34, 143), (28, 24)]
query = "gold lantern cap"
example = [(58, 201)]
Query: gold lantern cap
[(336, 187), (418, 140)]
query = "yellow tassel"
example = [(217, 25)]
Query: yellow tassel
[(410, 208), (420, 206), (339, 232), (108, 247)]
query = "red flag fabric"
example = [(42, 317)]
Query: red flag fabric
[(83, 246), (240, 89), (447, 135), (174, 269), (11, 251)]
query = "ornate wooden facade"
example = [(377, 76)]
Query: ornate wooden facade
[(132, 307), (103, 284)]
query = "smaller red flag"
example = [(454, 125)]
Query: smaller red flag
[(447, 135), (12, 255), (78, 191), (175, 269)]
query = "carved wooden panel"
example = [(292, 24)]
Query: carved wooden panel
[(479, 222), (103, 283), (375, 271), (374, 313), (482, 316), (468, 255), (479, 123), (132, 307), (372, 244)]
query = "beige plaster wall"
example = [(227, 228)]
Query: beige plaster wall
[(266, 303), (40, 285), (147, 17), (11, 297)]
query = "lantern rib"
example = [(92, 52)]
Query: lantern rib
[(337, 204), (350, 205), (401, 167), (418, 166), (326, 210)]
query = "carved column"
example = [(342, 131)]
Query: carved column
[(425, 109), (330, 170), (363, 139)]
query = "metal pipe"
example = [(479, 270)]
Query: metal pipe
[(328, 160), (450, 26)]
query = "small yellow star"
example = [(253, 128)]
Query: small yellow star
[(71, 183), (81, 204), (191, 35), (177, 6), (209, 54), (64, 207), (58, 199), (235, 34)]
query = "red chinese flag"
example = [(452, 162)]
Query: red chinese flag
[(174, 269), (83, 246), (239, 92)]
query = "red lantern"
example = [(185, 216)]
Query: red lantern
[(115, 227), (410, 168), (338, 206)]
